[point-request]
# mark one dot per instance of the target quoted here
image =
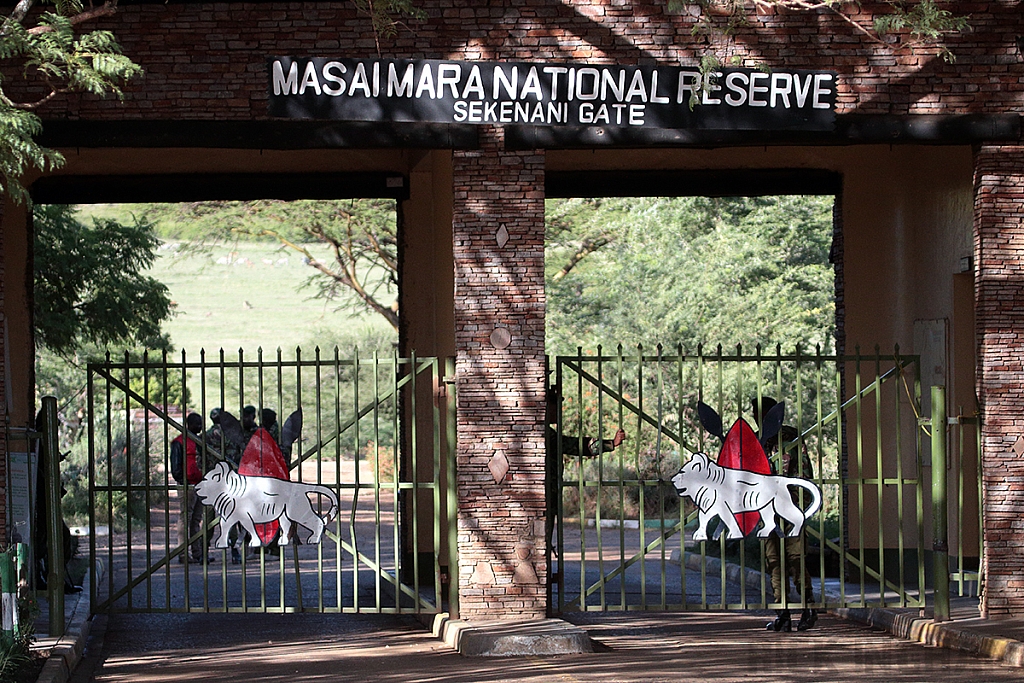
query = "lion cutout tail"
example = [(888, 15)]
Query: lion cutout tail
[(330, 495), (815, 495)]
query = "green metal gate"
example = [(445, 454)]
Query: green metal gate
[(622, 537), (374, 432)]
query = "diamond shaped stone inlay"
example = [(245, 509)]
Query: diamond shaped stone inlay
[(498, 465)]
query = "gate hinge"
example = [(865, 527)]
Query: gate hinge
[(442, 388)]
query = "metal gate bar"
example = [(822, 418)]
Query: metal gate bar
[(129, 432)]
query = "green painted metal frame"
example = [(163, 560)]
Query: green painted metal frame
[(355, 402), (966, 440), (856, 414)]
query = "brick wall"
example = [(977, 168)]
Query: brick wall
[(207, 61), (999, 255), (499, 299)]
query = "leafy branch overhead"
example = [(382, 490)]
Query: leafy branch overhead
[(384, 16), (51, 54), (918, 24)]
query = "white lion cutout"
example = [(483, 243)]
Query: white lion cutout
[(248, 500), (722, 492)]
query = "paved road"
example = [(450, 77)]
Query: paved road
[(631, 647)]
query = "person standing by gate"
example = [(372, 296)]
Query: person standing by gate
[(570, 447), (592, 447), (186, 469), (789, 550)]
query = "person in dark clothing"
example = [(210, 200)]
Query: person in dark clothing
[(570, 447), (788, 550), (216, 441), (249, 425), (232, 452), (268, 420)]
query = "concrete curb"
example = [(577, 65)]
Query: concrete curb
[(900, 624), (511, 639), (67, 652), (945, 634)]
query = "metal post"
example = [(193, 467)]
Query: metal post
[(21, 563), (54, 518), (452, 489), (8, 599), (940, 546)]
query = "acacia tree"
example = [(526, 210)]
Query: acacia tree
[(363, 239), (696, 270), (362, 235)]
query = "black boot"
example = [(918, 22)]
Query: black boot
[(808, 618), (783, 621)]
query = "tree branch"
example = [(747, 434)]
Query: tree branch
[(588, 247), (21, 10), (346, 275), (105, 10)]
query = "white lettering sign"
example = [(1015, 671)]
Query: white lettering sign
[(549, 95)]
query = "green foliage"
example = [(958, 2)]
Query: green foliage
[(718, 20), (51, 53), (925, 22), (691, 271), (127, 462), (64, 376), (90, 63), (89, 282), (15, 657), (386, 15), (19, 150)]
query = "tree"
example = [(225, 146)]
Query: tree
[(89, 283), (922, 24), (52, 55), (578, 228), (362, 235), (697, 270)]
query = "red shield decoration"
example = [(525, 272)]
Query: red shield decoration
[(262, 458), (742, 451)]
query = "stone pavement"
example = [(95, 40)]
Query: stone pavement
[(998, 640)]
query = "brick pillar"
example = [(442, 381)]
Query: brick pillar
[(499, 336), (999, 295)]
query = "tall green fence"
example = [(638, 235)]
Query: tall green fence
[(373, 431), (622, 537)]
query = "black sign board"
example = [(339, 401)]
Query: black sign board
[(524, 93)]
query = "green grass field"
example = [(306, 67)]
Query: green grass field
[(253, 296), (250, 295)]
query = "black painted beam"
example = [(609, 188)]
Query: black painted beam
[(279, 135), (114, 189), (851, 129), (718, 183)]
